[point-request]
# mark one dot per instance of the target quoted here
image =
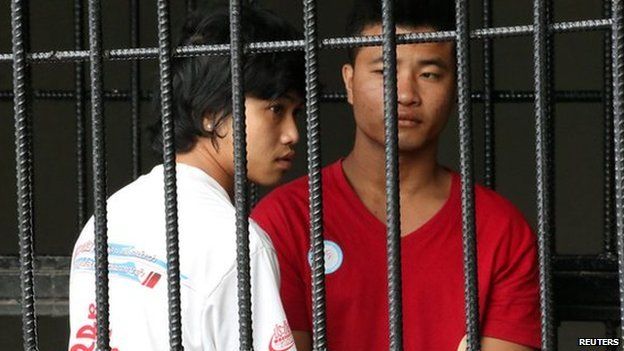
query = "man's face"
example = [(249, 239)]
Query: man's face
[(271, 138), (425, 85)]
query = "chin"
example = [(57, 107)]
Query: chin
[(410, 147), (268, 180)]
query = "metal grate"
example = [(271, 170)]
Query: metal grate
[(543, 95)]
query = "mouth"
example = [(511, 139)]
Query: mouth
[(409, 121), (285, 162)]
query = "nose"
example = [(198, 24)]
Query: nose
[(407, 90), (290, 134)]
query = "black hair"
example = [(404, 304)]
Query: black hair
[(437, 14), (202, 86)]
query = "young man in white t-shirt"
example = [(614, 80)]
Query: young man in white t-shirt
[(274, 90)]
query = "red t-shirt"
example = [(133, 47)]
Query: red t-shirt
[(432, 269)]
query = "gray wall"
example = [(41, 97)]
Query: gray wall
[(578, 134)]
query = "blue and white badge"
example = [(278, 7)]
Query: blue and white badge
[(333, 257)]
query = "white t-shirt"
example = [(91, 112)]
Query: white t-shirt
[(208, 275)]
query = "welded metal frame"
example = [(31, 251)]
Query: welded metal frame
[(555, 272)]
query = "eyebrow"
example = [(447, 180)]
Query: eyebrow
[(289, 96), (292, 98), (425, 62)]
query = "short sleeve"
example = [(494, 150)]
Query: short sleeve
[(270, 328), (272, 218), (512, 311)]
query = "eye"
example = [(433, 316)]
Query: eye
[(430, 75), (277, 108), (378, 71)]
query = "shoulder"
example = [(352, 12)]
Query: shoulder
[(498, 219), (284, 212), (294, 195), (139, 194), (283, 203), (490, 205), (293, 191), (259, 240)]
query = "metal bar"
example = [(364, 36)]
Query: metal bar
[(253, 195), (377, 40), (550, 121), (79, 106), (114, 95), (467, 178), (51, 276), (582, 263), (609, 246), (99, 177), (393, 211), (293, 45), (618, 121), (240, 179), (550, 145), (488, 101), (550, 149), (24, 169), (499, 96), (542, 165), (171, 198), (319, 333), (135, 102), (507, 96)]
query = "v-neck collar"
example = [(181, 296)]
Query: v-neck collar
[(448, 211)]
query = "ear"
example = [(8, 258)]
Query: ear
[(208, 123), (347, 78)]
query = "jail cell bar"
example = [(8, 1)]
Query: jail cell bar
[(543, 96), (240, 179), (24, 171), (542, 158), (319, 337), (618, 121)]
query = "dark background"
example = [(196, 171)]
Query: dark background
[(578, 128)]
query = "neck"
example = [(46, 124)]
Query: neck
[(200, 157), (418, 170)]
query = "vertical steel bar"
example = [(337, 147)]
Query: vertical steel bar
[(240, 179), (393, 212), (24, 169), (488, 100), (171, 202), (253, 194), (550, 114), (79, 105), (549, 86), (135, 99), (467, 177), (618, 123), (99, 176), (319, 337), (608, 182), (542, 167)]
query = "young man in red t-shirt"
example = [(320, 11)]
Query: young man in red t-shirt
[(431, 230)]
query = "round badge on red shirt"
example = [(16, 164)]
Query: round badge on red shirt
[(333, 257)]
